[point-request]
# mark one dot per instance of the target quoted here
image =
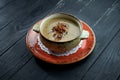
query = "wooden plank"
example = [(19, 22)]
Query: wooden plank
[(21, 12), (13, 27), (4, 3), (11, 10), (22, 20), (14, 59), (31, 72), (13, 50), (69, 6), (94, 10), (107, 23), (107, 65)]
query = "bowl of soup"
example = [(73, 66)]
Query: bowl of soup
[(61, 32)]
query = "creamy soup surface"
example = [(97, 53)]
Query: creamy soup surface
[(60, 30)]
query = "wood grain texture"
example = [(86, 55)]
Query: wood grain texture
[(17, 63), (14, 19), (17, 26), (105, 66)]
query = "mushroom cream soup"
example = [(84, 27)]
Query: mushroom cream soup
[(60, 30)]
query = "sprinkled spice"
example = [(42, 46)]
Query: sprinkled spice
[(59, 30)]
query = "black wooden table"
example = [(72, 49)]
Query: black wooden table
[(17, 62)]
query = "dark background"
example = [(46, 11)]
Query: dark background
[(17, 62)]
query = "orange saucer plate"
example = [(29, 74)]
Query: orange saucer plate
[(86, 48)]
